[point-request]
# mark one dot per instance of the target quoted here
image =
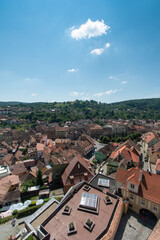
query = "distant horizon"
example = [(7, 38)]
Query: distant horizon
[(107, 51), (81, 100)]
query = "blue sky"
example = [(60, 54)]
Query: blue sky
[(104, 50)]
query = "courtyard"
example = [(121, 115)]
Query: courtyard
[(134, 226)]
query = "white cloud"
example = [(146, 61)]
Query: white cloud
[(34, 94), (113, 78), (99, 94), (124, 82), (30, 79), (72, 70), (97, 51), (108, 92), (26, 79), (76, 94), (89, 29), (107, 45)]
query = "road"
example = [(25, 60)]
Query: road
[(147, 165)]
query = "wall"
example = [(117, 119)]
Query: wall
[(155, 233), (135, 189), (115, 222), (136, 203)]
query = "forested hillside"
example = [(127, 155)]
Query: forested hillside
[(70, 111)]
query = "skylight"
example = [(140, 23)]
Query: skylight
[(89, 201), (103, 182)]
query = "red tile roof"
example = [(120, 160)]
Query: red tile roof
[(40, 147), (147, 137), (72, 170), (148, 187)]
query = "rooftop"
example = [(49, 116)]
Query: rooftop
[(84, 205), (147, 185)]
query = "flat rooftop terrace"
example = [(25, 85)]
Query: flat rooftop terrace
[(56, 225), (35, 223)]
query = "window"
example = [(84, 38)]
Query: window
[(132, 186), (155, 208), (131, 197), (142, 202), (103, 182), (89, 200)]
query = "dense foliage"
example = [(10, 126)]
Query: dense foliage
[(77, 110), (117, 139)]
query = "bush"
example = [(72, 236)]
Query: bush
[(15, 212), (6, 219), (46, 200), (31, 237), (28, 211), (33, 203)]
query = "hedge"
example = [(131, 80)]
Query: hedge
[(28, 211), (33, 203), (6, 219), (25, 212)]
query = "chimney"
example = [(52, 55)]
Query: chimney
[(140, 175)]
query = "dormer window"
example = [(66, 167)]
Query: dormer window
[(132, 186)]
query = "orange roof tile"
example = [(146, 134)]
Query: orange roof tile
[(147, 186)]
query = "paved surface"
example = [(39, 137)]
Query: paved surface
[(98, 145), (57, 192), (43, 216), (133, 227), (6, 229)]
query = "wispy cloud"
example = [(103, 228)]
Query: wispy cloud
[(108, 92), (99, 51), (76, 94), (124, 82), (28, 79), (99, 94), (90, 29), (110, 77), (113, 78), (72, 70), (34, 94)]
